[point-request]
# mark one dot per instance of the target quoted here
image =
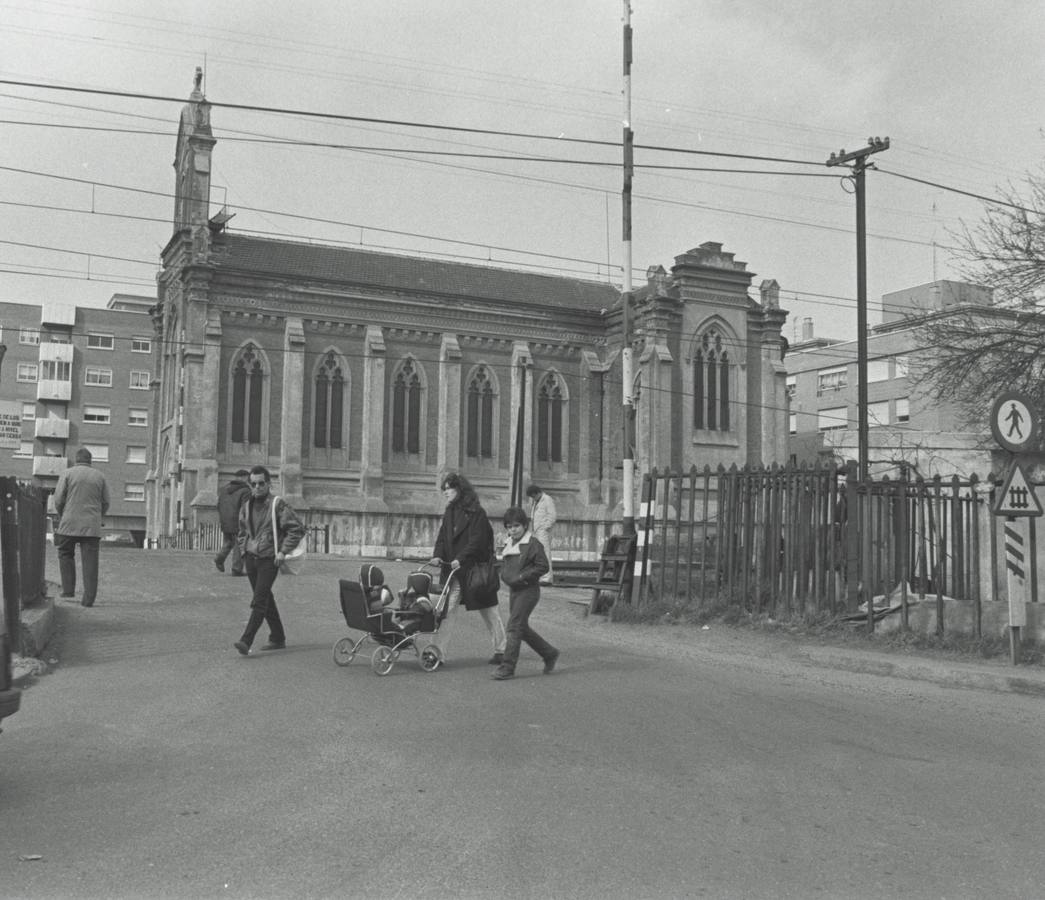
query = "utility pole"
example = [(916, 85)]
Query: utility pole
[(627, 363), (858, 158)]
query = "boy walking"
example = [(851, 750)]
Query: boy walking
[(523, 562)]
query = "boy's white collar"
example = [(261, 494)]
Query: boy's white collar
[(512, 547)]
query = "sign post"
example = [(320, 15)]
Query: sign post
[(1015, 427)]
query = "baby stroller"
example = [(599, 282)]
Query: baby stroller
[(367, 605)]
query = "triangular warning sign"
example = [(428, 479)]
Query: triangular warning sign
[(1017, 497)]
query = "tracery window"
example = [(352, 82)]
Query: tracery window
[(479, 416), (712, 371), (407, 393), (328, 408), (550, 420), (248, 383)]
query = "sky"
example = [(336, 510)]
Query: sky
[(958, 86)]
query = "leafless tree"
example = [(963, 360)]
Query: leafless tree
[(971, 353)]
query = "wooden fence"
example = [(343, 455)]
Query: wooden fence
[(803, 540)]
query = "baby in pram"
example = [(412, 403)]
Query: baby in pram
[(415, 611)]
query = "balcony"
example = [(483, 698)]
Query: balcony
[(52, 428), (49, 389), (49, 466)]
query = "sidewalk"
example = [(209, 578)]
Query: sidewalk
[(133, 578)]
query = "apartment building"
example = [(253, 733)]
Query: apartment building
[(76, 376), (904, 425)]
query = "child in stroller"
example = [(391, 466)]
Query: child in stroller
[(368, 606), (379, 599)]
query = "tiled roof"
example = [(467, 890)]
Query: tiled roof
[(364, 268)]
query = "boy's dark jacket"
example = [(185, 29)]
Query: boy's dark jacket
[(524, 569)]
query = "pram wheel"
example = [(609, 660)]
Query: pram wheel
[(431, 657), (344, 651), (383, 660)]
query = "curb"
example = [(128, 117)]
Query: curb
[(941, 674), (36, 627)]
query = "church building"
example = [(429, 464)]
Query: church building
[(360, 378)]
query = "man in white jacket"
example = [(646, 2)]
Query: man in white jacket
[(542, 518)]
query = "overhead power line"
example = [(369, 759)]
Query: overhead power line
[(399, 123), (954, 190)]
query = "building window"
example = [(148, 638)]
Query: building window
[(140, 380), (834, 418), (834, 379), (792, 423), (28, 336), (141, 345), (479, 413), (791, 385), (97, 376), (877, 370), (878, 413), (711, 381), (138, 417), (902, 365), (97, 415), (550, 419), (903, 410), (56, 370), (100, 341), (134, 493), (28, 412), (248, 383), (328, 412), (99, 452), (25, 449), (136, 455), (26, 372), (406, 409)]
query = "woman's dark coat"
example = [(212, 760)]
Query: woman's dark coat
[(465, 535)]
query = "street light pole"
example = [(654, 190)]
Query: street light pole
[(858, 158)]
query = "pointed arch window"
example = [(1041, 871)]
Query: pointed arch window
[(711, 382), (480, 416), (549, 420), (329, 405), (406, 409), (248, 383)]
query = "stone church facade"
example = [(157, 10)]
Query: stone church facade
[(360, 378)]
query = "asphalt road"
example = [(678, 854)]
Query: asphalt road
[(154, 761)]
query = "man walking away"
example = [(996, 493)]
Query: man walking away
[(81, 499), (542, 519), (230, 499)]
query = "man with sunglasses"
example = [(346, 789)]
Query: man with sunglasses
[(264, 548)]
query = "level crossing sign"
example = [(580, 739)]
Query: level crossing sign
[(1017, 497)]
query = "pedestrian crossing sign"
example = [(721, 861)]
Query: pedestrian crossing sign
[(1017, 497)]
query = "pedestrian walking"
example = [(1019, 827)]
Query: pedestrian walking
[(81, 499), (523, 563), (268, 529), (542, 520), (465, 540), (230, 499)]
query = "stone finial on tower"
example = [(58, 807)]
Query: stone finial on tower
[(769, 290)]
